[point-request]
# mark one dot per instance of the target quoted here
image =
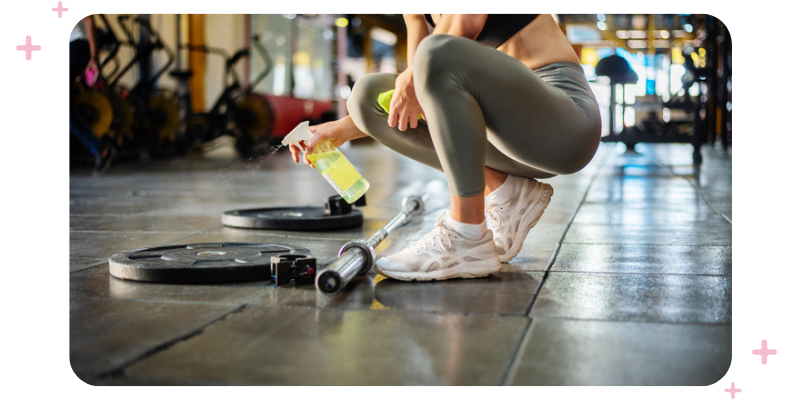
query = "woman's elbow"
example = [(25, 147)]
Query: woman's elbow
[(470, 25)]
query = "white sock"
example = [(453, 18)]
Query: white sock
[(503, 193), (469, 231)]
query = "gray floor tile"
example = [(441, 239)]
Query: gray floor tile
[(112, 206), (698, 214), (636, 297), (503, 293), (93, 222), (534, 256), (78, 264), (106, 334), (299, 346), (651, 259), (666, 235), (622, 192), (144, 223), (574, 352), (97, 282), (106, 244)]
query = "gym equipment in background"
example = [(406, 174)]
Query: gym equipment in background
[(237, 112), (154, 110), (697, 119)]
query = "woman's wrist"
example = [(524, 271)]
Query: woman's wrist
[(350, 129)]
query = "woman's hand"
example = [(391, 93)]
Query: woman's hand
[(93, 70), (404, 108), (336, 132)]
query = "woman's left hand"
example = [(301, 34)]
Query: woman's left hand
[(404, 108)]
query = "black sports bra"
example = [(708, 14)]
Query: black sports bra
[(498, 27)]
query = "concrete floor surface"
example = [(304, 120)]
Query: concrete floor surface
[(626, 280)]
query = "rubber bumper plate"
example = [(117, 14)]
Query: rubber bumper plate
[(200, 263), (292, 219)]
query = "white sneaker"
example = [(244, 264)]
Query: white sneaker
[(511, 221), (442, 254)]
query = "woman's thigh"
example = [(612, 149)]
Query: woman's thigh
[(414, 143), (531, 118)]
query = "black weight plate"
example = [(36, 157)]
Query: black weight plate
[(292, 219), (200, 262)]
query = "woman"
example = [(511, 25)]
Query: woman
[(83, 61), (504, 102)]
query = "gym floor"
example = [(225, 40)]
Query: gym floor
[(626, 280)]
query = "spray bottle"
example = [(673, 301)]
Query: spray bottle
[(331, 163)]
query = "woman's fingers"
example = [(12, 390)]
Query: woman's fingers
[(392, 115), (295, 152), (402, 124), (412, 122), (402, 118)]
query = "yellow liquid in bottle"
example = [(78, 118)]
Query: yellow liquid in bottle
[(338, 171)]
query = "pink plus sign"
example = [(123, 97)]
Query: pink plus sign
[(733, 390), (28, 48), (60, 9), (764, 352)]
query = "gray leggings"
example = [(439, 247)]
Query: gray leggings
[(485, 108)]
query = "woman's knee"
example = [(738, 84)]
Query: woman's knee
[(362, 104), (367, 88), (436, 54)]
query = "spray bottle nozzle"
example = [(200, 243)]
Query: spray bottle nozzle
[(300, 132)]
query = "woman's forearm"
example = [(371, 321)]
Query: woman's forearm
[(88, 24), (416, 30)]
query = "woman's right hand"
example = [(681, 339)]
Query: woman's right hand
[(404, 107), (336, 132)]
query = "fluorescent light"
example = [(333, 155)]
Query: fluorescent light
[(341, 22)]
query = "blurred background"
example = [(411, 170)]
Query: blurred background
[(178, 84)]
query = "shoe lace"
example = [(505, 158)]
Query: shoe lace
[(494, 217), (438, 236)]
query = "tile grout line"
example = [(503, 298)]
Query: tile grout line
[(622, 321), (120, 369), (526, 336), (697, 189)]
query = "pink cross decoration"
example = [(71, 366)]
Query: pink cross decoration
[(733, 390), (60, 9), (764, 352), (28, 48)]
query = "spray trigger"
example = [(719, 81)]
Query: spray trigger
[(300, 132)]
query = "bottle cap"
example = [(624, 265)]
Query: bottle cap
[(300, 132)]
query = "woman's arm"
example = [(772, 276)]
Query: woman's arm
[(88, 25), (416, 30)]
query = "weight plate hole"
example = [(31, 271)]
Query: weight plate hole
[(211, 253)]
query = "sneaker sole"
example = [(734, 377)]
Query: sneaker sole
[(464, 271), (103, 168), (528, 222)]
